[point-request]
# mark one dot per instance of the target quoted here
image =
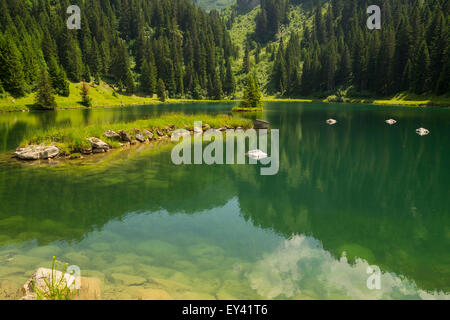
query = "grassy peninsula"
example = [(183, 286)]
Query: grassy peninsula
[(73, 140)]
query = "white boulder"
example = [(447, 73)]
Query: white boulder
[(422, 131), (331, 121), (391, 122), (36, 152)]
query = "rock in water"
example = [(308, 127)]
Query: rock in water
[(331, 121), (261, 124), (391, 122), (89, 287), (112, 135), (256, 154), (124, 136), (139, 136), (422, 131), (38, 279), (98, 146), (36, 152), (148, 134)]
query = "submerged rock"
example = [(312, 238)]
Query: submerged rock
[(139, 136), (89, 287), (154, 294), (391, 122), (37, 152), (112, 135), (98, 146), (331, 121), (38, 279), (422, 131), (124, 136), (261, 124)]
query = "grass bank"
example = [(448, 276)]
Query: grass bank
[(73, 140), (102, 96)]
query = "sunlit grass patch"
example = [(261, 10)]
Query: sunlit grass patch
[(72, 140)]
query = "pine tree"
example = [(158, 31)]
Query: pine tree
[(246, 60), (130, 85), (11, 70), (148, 79), (229, 85), (87, 74), (86, 100), (217, 93), (252, 94), (422, 70), (58, 78), (161, 90), (44, 97)]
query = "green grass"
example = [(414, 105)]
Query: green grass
[(102, 96), (55, 288), (72, 140), (402, 99), (240, 109)]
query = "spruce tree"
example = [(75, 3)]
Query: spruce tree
[(11, 69), (229, 85), (252, 94), (86, 100), (148, 79), (44, 97), (161, 90), (246, 60), (422, 70)]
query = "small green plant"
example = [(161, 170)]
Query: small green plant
[(55, 287)]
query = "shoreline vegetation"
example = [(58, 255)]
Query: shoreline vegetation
[(74, 143), (103, 97)]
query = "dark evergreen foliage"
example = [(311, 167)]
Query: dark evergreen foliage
[(409, 53), (44, 97), (175, 40)]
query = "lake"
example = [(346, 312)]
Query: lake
[(357, 194)]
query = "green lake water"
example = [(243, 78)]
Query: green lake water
[(357, 194)]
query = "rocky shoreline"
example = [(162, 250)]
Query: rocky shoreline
[(124, 139)]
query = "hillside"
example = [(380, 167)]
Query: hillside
[(130, 44), (298, 49)]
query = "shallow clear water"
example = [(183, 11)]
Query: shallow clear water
[(347, 196)]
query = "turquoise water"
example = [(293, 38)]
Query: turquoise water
[(347, 196)]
